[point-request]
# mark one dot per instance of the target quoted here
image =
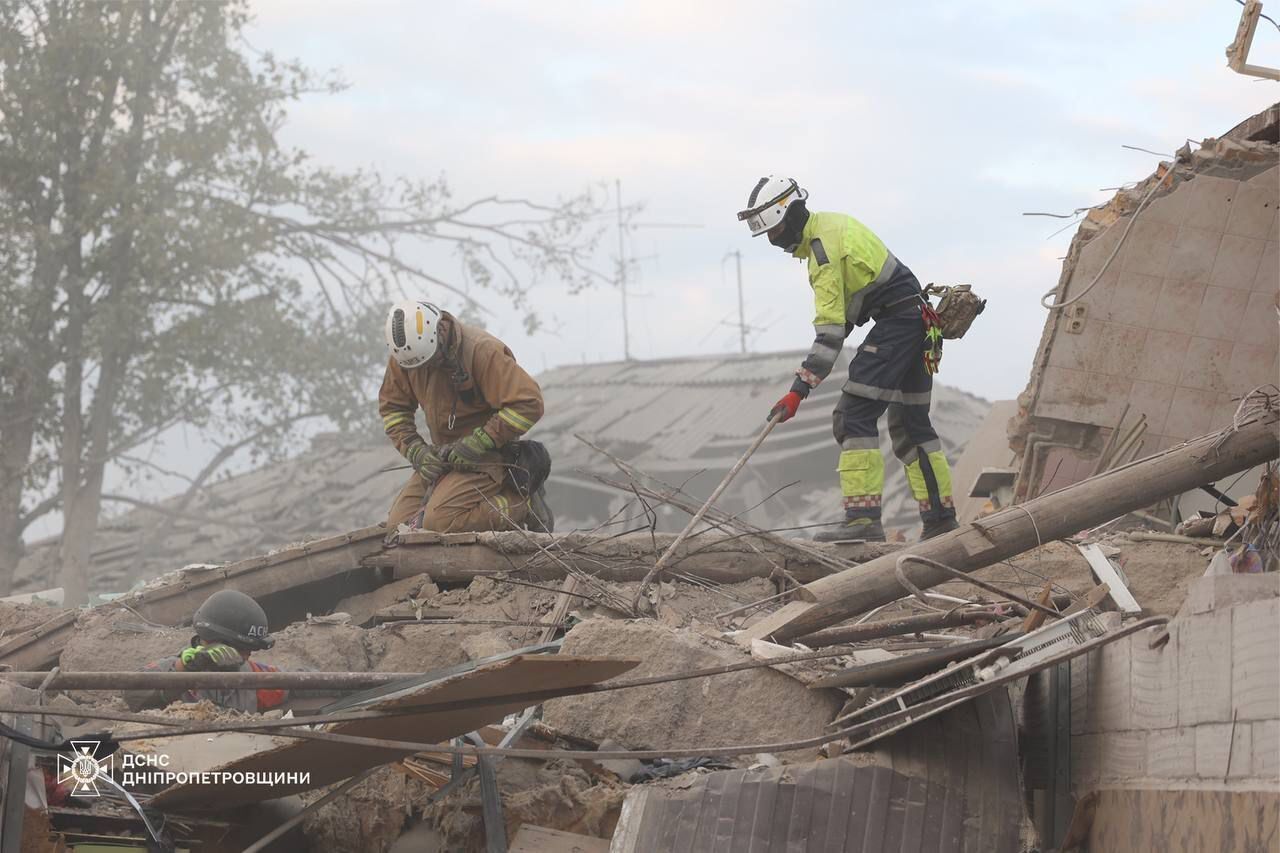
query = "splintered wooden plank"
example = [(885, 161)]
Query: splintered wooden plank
[(328, 762), (1106, 573)]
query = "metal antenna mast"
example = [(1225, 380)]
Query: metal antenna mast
[(622, 275), (622, 260)]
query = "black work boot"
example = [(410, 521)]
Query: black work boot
[(864, 528), (938, 523)]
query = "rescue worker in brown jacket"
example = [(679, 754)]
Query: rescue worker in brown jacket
[(476, 473)]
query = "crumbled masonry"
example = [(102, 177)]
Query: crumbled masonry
[(1125, 534)]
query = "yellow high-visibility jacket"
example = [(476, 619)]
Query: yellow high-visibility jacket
[(853, 275)]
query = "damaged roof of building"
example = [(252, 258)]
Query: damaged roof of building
[(671, 417)]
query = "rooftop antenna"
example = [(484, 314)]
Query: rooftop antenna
[(622, 260), (742, 315)]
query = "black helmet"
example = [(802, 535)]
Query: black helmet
[(232, 617)]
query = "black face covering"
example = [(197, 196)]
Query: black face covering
[(793, 221)]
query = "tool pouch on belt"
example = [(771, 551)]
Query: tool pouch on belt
[(957, 308), (528, 465)]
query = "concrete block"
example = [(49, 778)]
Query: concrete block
[(1255, 671), (1154, 691), (1222, 312), (1241, 752), (1269, 178), (1190, 412), (1205, 368), (1122, 756), (1162, 357), (1204, 668), (1118, 351), (1080, 696), (1192, 255), (1152, 399), (1237, 262), (1061, 390), (1252, 365), (1222, 749), (1178, 305), (1086, 750), (1095, 254), (1222, 591), (1075, 350), (1134, 298), (1147, 248), (684, 713), (1210, 201), (1259, 326), (1105, 402), (1171, 208), (1111, 684), (1267, 278), (1266, 750), (1274, 234), (1252, 210), (1171, 753)]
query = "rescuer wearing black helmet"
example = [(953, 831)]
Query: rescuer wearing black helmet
[(229, 627), (231, 617)]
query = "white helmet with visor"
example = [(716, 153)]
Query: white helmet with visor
[(769, 201)]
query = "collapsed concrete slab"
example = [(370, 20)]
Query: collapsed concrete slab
[(748, 707), (952, 785), (1168, 296)]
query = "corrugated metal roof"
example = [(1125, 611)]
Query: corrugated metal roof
[(670, 417)]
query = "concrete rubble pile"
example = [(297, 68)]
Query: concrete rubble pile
[(771, 728), (1088, 662)]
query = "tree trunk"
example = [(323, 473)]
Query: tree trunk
[(15, 451), (1020, 528), (10, 532)]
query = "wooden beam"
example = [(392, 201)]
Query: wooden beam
[(1105, 572), (714, 557), (1020, 528)]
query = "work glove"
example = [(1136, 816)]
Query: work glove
[(427, 461), (787, 406), (464, 455), (216, 658)]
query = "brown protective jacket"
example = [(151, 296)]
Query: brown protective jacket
[(474, 381)]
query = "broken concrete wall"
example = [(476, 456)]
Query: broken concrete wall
[(948, 784), (1182, 320), (1202, 711), (748, 707)]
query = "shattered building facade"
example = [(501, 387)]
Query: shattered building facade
[(1169, 294)]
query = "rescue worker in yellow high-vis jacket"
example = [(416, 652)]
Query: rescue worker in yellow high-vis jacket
[(856, 279)]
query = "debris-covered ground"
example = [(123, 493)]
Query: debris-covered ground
[(492, 615)]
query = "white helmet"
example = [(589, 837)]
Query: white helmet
[(412, 332), (769, 201)]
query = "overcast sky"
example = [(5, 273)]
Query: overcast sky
[(937, 127)]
